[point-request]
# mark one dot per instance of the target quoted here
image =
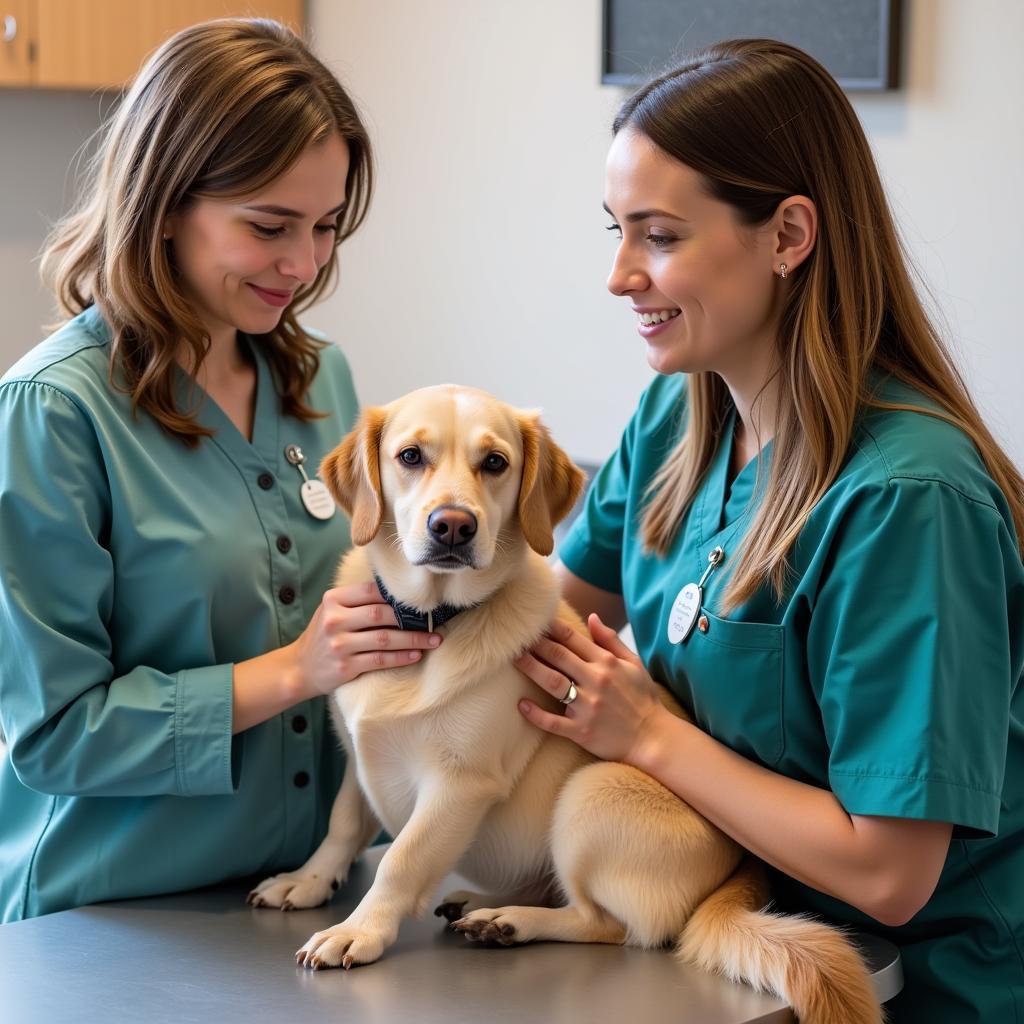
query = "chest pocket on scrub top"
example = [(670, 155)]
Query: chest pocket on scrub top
[(734, 672)]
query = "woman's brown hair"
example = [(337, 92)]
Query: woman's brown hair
[(220, 110), (762, 121)]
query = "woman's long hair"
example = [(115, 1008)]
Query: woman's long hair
[(762, 121), (220, 110)]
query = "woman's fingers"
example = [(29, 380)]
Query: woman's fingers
[(560, 657), (606, 637), (574, 653), (359, 614), (354, 594), (374, 661), (568, 636), (556, 683), (349, 618), (557, 724), (389, 639)]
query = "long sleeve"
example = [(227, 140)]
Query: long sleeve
[(135, 572), (76, 722)]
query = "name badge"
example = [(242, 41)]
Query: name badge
[(316, 499), (686, 607), (683, 616)]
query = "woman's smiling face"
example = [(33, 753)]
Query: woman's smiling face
[(241, 260), (686, 263)]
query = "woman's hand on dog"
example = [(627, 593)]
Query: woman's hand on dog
[(354, 631), (617, 701)]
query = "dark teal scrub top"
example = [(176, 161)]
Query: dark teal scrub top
[(889, 674), (134, 573)]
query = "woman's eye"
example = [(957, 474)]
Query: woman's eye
[(267, 231), (495, 463), (615, 228), (661, 240), (410, 456)]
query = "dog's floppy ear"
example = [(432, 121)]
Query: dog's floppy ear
[(352, 475), (550, 486)]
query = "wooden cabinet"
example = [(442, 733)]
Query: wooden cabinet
[(100, 44), (15, 41)]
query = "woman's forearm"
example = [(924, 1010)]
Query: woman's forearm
[(880, 866), (265, 686)]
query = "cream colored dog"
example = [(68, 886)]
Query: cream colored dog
[(453, 497)]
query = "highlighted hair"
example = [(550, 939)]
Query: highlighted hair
[(219, 111), (761, 121)]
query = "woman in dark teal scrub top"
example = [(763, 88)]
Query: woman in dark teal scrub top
[(853, 662), (167, 630)]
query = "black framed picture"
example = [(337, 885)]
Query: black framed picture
[(856, 40)]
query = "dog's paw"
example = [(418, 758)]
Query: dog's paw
[(492, 926), (341, 946), (292, 891), (454, 905)]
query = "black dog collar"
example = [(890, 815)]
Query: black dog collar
[(417, 621)]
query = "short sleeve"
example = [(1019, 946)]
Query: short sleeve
[(592, 550), (910, 654), (74, 724)]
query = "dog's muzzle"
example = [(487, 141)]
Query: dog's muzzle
[(451, 529)]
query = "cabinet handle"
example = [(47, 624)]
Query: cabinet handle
[(10, 28)]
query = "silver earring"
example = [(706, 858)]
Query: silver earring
[(782, 271)]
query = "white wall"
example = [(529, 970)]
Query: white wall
[(951, 149), (484, 257), (40, 135)]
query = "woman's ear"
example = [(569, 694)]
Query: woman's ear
[(796, 231), (352, 475), (550, 485)]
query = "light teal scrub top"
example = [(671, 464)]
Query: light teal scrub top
[(134, 572), (890, 673)]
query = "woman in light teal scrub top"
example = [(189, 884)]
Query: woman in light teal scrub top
[(167, 627), (853, 662)]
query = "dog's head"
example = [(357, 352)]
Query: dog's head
[(453, 477)]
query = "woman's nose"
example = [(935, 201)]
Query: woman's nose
[(300, 261), (626, 277)]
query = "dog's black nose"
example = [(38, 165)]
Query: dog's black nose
[(451, 525)]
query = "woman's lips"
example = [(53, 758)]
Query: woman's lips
[(278, 299), (649, 330)]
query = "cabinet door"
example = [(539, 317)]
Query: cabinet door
[(100, 44), (15, 42)]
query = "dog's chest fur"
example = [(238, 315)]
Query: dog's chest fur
[(453, 713)]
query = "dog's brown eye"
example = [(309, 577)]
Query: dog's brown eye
[(410, 456), (495, 463)]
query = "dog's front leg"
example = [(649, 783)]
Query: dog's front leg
[(351, 829), (443, 823)]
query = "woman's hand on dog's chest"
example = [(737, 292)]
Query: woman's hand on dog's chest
[(616, 700), (353, 631)]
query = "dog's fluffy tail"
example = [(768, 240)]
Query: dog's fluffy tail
[(810, 965)]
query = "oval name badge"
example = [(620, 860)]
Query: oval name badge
[(684, 613), (317, 499)]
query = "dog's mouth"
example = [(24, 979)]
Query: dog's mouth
[(448, 560)]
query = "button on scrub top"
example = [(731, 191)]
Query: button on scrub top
[(134, 572), (890, 673)]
